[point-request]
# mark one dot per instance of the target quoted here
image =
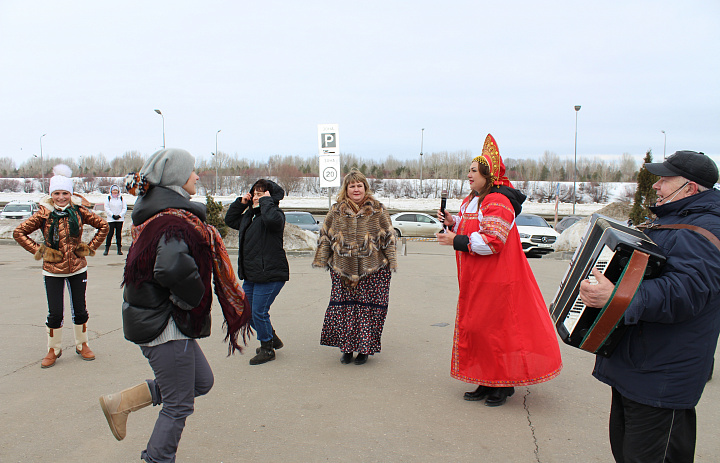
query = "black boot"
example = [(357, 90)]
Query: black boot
[(107, 250), (120, 251), (266, 353), (499, 396), (276, 343), (361, 358), (346, 358), (478, 394)]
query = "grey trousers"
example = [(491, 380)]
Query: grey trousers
[(181, 374)]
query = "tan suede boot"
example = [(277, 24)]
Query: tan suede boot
[(54, 347), (81, 342), (117, 407)]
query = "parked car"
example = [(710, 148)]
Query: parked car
[(536, 235), (304, 220), (415, 224), (567, 222), (19, 210)]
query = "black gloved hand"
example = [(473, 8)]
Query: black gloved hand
[(116, 217)]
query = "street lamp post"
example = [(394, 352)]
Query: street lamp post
[(163, 118), (42, 167), (422, 134), (216, 160), (664, 142), (577, 109)]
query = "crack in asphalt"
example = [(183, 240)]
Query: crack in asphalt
[(64, 348), (530, 424)]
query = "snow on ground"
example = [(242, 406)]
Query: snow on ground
[(305, 240), (319, 202)]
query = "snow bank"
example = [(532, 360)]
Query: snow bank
[(298, 240)]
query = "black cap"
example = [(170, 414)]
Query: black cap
[(692, 165)]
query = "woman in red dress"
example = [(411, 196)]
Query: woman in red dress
[(503, 333)]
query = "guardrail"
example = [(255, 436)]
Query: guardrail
[(320, 212)]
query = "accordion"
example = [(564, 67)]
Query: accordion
[(622, 254)]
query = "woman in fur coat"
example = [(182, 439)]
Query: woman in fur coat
[(61, 217), (357, 245)]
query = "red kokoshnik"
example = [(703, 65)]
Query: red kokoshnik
[(491, 158)]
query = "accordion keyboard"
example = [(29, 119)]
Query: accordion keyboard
[(578, 307)]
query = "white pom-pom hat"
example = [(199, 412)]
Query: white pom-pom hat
[(62, 179)]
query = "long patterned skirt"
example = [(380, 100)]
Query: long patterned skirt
[(355, 317)]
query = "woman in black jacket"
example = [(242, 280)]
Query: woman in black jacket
[(174, 258), (262, 263)]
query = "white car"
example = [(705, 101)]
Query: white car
[(537, 236), (19, 210), (415, 224)]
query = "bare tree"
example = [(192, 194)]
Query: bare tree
[(628, 168), (565, 193), (12, 185), (598, 192), (207, 180), (375, 185), (7, 167), (130, 161), (628, 194), (312, 185), (104, 184), (392, 188), (86, 184), (542, 192), (553, 164), (289, 177)]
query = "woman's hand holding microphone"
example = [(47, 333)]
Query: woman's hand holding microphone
[(448, 221)]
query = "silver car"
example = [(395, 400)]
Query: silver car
[(415, 224), (304, 220), (19, 210)]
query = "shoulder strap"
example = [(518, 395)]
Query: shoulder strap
[(614, 310), (677, 226)]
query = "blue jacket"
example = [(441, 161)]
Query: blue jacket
[(665, 356)]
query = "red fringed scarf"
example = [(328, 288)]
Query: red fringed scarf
[(209, 247)]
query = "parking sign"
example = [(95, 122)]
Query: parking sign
[(329, 155)]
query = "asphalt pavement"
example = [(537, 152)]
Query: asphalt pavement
[(401, 406)]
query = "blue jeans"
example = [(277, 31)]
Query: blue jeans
[(260, 296)]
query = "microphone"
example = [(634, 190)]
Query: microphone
[(443, 203)]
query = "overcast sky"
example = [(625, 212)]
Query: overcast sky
[(90, 73)]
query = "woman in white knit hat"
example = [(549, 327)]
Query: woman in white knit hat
[(61, 217)]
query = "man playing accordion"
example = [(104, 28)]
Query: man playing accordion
[(659, 369)]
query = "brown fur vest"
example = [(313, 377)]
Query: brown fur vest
[(356, 244)]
